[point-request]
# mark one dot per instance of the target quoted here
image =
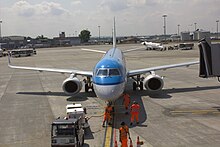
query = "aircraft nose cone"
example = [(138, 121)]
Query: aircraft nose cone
[(108, 92)]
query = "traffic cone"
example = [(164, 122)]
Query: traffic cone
[(116, 145), (131, 144), (138, 142)]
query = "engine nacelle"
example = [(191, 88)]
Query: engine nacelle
[(153, 82), (72, 86)]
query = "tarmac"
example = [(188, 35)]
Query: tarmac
[(185, 113)]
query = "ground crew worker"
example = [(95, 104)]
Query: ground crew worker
[(135, 109), (109, 108), (126, 101), (123, 134), (108, 114)]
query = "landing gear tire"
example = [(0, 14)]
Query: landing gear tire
[(93, 89), (86, 88), (134, 86), (83, 138), (141, 86)]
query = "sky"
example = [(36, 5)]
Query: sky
[(133, 17)]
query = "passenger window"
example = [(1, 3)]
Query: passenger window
[(102, 72), (114, 72)]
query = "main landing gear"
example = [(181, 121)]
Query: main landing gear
[(88, 84), (138, 83)]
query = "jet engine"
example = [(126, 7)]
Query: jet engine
[(72, 86), (153, 82)]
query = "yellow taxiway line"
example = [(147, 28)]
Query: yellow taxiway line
[(208, 111), (108, 137)]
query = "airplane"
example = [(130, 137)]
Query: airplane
[(110, 75), (1, 50), (152, 45)]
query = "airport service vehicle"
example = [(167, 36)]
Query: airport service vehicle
[(34, 51), (1, 52), (76, 110), (109, 76), (186, 46), (22, 52), (67, 132)]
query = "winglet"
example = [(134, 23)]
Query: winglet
[(114, 34)]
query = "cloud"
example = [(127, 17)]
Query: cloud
[(132, 16), (25, 9), (50, 8), (115, 5), (140, 3), (77, 2)]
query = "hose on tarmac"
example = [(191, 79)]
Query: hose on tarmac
[(95, 116)]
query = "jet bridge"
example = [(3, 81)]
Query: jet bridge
[(209, 59)]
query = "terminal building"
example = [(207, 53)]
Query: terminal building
[(200, 34), (185, 36), (62, 40), (196, 35), (17, 42)]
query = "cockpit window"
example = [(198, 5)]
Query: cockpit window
[(114, 72), (108, 72), (102, 72)]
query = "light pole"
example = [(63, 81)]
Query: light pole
[(99, 34), (178, 29), (195, 25), (0, 29), (164, 26), (217, 27), (0, 33)]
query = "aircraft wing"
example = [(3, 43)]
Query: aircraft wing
[(164, 67), (134, 49), (41, 69), (104, 52), (91, 50)]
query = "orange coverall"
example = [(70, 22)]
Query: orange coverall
[(135, 109), (126, 101), (123, 131), (107, 114)]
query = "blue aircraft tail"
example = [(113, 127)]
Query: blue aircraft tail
[(114, 34)]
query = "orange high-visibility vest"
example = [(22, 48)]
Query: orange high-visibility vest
[(107, 116), (135, 108), (123, 132), (109, 109)]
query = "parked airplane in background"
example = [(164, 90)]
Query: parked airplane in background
[(1, 52), (109, 76), (152, 45)]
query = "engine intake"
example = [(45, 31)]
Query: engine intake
[(153, 82), (72, 86)]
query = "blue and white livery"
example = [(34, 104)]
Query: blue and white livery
[(109, 76)]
